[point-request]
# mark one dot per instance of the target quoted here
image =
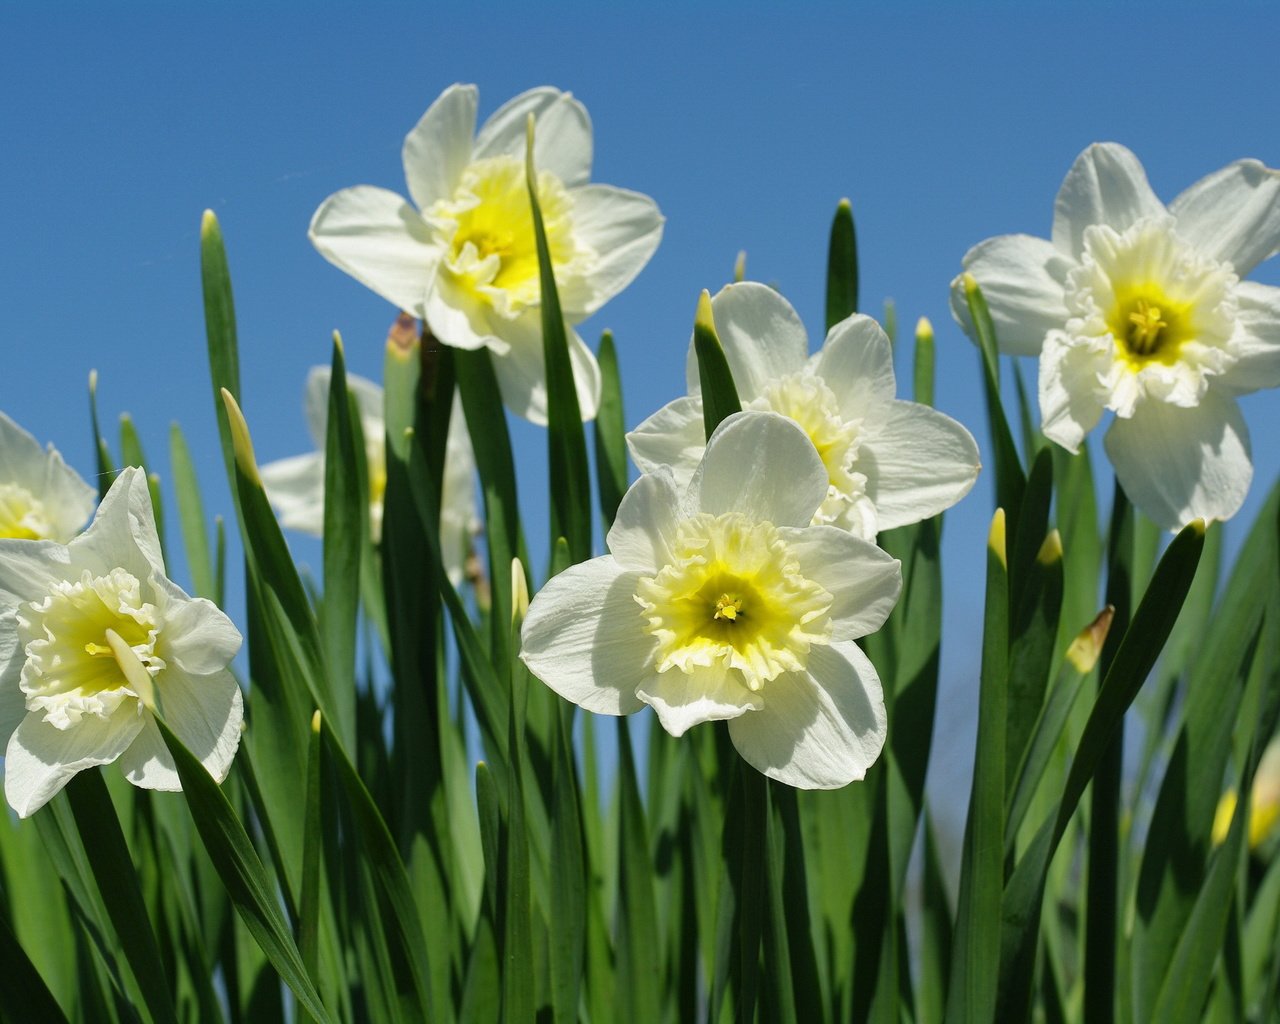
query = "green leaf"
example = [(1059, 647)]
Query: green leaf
[(639, 955), (923, 365), (610, 434), (1136, 654), (106, 467), (842, 266), (975, 956), (570, 480), (118, 885), (1010, 480), (719, 396), (568, 909), (220, 331), (935, 943), (388, 872), (251, 889), (24, 996), (346, 525), (191, 518), (309, 891)]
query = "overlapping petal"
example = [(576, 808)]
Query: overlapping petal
[(438, 149), (1233, 214), (624, 228), (1256, 342), (1106, 185), (1022, 280), (863, 581)]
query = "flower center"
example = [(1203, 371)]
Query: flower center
[(806, 399), (22, 514), (490, 247), (70, 669), (734, 598), (1148, 325)]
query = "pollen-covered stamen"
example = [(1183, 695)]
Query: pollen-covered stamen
[(1146, 327), (729, 606), (733, 598)]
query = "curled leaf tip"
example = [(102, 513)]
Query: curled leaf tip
[(703, 319), (970, 283), (924, 329), (337, 343), (519, 592), (1199, 525), (93, 381), (844, 206), (996, 537), (315, 720), (240, 440), (1051, 550), (740, 266), (208, 224), (1084, 650)]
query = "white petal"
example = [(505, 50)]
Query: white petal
[(917, 461), (205, 712), (1106, 185), (28, 567), (197, 636), (683, 700), (562, 133), (13, 705), (1179, 464), (863, 581), (821, 729), (1256, 341), (762, 336), (522, 374), (457, 318), (1233, 214), (123, 533), (295, 488), (674, 436), (624, 229), (438, 149), (762, 465), (148, 763), (40, 759), (315, 404), (1071, 397), (68, 501), (584, 637), (380, 240), (1022, 279), (645, 525), (856, 363)]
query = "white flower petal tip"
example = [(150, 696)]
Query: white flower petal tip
[(103, 641), (1138, 309), (462, 256), (886, 462), (41, 497), (295, 485), (724, 602)]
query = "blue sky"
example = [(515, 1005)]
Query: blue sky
[(746, 123)]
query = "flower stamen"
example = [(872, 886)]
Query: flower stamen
[(1146, 327)]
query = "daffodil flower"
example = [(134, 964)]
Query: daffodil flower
[(720, 600), (1142, 310), (41, 497), (70, 696), (295, 486), (889, 462), (464, 260)]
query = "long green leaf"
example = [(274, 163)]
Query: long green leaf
[(639, 956), (24, 996), (220, 331), (719, 395), (972, 989), (566, 442), (251, 889), (610, 434), (191, 516)]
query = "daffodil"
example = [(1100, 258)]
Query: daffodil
[(41, 497), (720, 600), (462, 256), (295, 486), (1143, 310), (75, 621), (889, 462)]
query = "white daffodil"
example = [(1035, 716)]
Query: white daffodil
[(295, 486), (721, 601), (41, 497), (464, 260), (1143, 310), (66, 698), (889, 462)]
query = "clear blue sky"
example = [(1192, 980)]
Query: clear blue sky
[(746, 122)]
